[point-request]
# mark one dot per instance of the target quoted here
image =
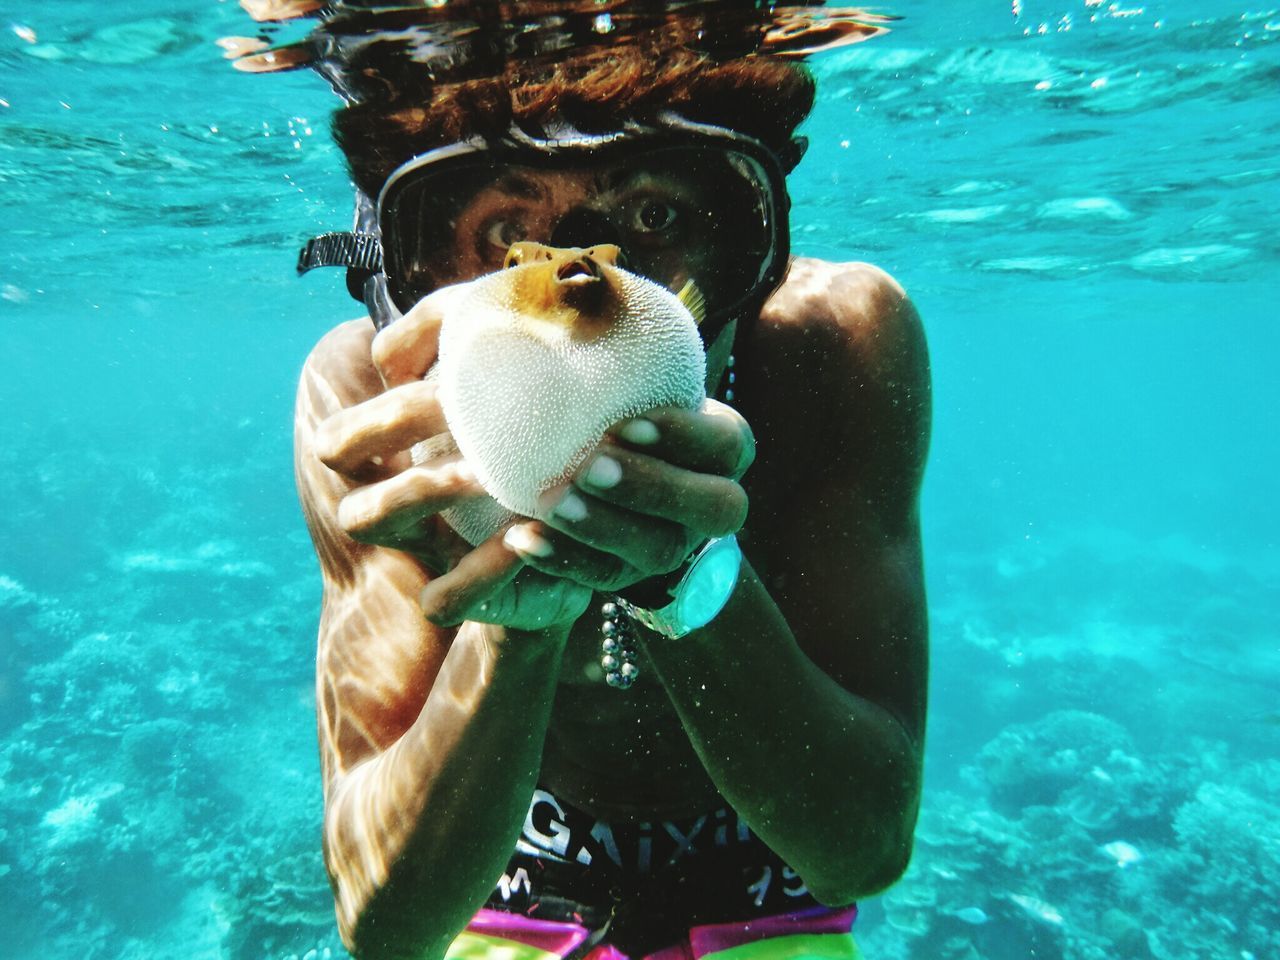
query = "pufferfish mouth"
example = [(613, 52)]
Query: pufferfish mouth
[(579, 271)]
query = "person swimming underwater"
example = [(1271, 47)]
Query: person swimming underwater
[(487, 792)]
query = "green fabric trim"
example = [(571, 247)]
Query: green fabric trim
[(821, 946), (480, 946)]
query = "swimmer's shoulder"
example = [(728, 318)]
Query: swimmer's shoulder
[(843, 324), (856, 302), (341, 364), (844, 369)]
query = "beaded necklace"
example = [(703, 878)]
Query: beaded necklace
[(618, 628)]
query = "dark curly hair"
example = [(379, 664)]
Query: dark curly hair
[(594, 91)]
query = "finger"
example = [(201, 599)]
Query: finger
[(712, 505), (405, 350), (647, 543), (535, 601), (435, 544), (560, 556), (712, 439), (379, 428), (386, 513), (457, 595)]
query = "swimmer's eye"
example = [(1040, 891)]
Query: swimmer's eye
[(503, 233), (653, 216)]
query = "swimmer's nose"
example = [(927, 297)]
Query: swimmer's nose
[(584, 228)]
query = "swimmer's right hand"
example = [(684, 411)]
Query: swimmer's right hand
[(391, 502)]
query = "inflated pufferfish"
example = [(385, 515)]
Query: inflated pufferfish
[(537, 360)]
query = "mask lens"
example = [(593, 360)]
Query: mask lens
[(420, 226), (679, 213)]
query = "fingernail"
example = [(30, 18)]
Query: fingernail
[(571, 507), (604, 472), (640, 431), (522, 539)]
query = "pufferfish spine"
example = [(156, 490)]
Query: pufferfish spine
[(526, 398)]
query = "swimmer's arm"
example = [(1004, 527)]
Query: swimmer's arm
[(806, 701), (417, 835), (430, 740)]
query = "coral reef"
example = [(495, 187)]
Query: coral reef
[(158, 786), (1037, 867), (1228, 861), (1078, 762)]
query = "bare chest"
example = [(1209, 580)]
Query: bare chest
[(619, 754)]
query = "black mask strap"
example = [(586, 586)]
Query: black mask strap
[(360, 253)]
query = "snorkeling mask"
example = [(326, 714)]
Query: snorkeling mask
[(684, 202)]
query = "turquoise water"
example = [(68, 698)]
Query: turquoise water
[(1085, 217)]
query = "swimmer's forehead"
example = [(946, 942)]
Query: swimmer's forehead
[(541, 183), (609, 173)]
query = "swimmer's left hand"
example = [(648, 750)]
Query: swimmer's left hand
[(654, 489)]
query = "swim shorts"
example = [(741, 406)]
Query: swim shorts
[(814, 934), (586, 889)]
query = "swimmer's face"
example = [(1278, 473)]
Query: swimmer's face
[(646, 209), (678, 213), (659, 217)]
